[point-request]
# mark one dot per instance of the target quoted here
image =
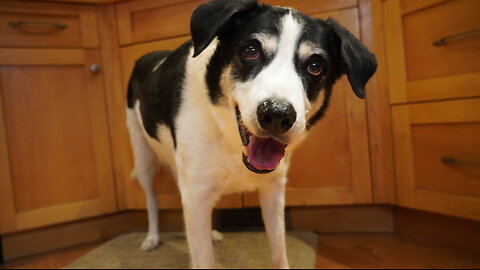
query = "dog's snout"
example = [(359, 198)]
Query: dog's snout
[(276, 116)]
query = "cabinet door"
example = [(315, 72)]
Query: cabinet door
[(55, 162), (432, 55), (437, 153), (332, 165), (165, 186)]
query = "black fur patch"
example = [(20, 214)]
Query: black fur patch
[(159, 92), (232, 38)]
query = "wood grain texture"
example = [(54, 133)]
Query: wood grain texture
[(148, 20), (455, 232), (52, 178), (420, 29), (377, 105), (459, 141), (410, 123), (81, 22), (395, 53), (7, 207), (449, 87), (43, 140), (342, 219), (116, 103), (409, 6), (373, 251)]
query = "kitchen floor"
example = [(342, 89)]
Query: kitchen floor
[(334, 251)]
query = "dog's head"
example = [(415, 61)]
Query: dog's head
[(275, 67)]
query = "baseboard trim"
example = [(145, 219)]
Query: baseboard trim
[(32, 242), (437, 228), (452, 231), (342, 219)]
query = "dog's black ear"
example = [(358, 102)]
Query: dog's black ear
[(357, 61), (210, 18)]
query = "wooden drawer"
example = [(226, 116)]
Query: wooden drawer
[(439, 150), (26, 24), (148, 20), (455, 56), (433, 72), (438, 156)]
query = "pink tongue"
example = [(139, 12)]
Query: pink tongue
[(265, 153)]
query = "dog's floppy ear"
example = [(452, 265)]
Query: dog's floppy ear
[(208, 20), (357, 61)]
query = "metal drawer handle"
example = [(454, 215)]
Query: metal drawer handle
[(52, 25), (460, 162), (445, 40)]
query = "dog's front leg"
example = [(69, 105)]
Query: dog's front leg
[(197, 212), (272, 200)]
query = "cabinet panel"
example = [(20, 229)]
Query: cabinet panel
[(57, 140), (433, 143), (148, 20), (457, 55), (424, 137), (420, 70), (42, 138), (27, 24)]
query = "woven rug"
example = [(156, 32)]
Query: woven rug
[(237, 250)]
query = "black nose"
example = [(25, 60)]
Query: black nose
[(276, 116)]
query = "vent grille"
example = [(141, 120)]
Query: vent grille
[(243, 219)]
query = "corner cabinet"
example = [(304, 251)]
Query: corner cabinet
[(434, 84), (55, 156)]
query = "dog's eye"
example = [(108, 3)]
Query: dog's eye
[(315, 65), (251, 51)]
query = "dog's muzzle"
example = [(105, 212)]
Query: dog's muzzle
[(263, 154)]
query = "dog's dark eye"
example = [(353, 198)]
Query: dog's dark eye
[(251, 51), (315, 65)]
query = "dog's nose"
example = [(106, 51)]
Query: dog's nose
[(276, 116)]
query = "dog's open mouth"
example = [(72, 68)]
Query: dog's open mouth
[(263, 154)]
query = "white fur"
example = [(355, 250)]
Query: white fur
[(207, 161), (288, 84)]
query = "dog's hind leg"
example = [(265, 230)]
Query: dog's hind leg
[(146, 166), (272, 201)]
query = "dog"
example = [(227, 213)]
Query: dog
[(225, 110)]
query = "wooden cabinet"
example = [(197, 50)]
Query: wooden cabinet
[(421, 66), (437, 149), (147, 20), (55, 156), (47, 25), (434, 82)]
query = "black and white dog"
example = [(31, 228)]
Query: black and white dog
[(225, 110)]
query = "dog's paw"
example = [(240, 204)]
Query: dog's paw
[(217, 236), (150, 243)]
